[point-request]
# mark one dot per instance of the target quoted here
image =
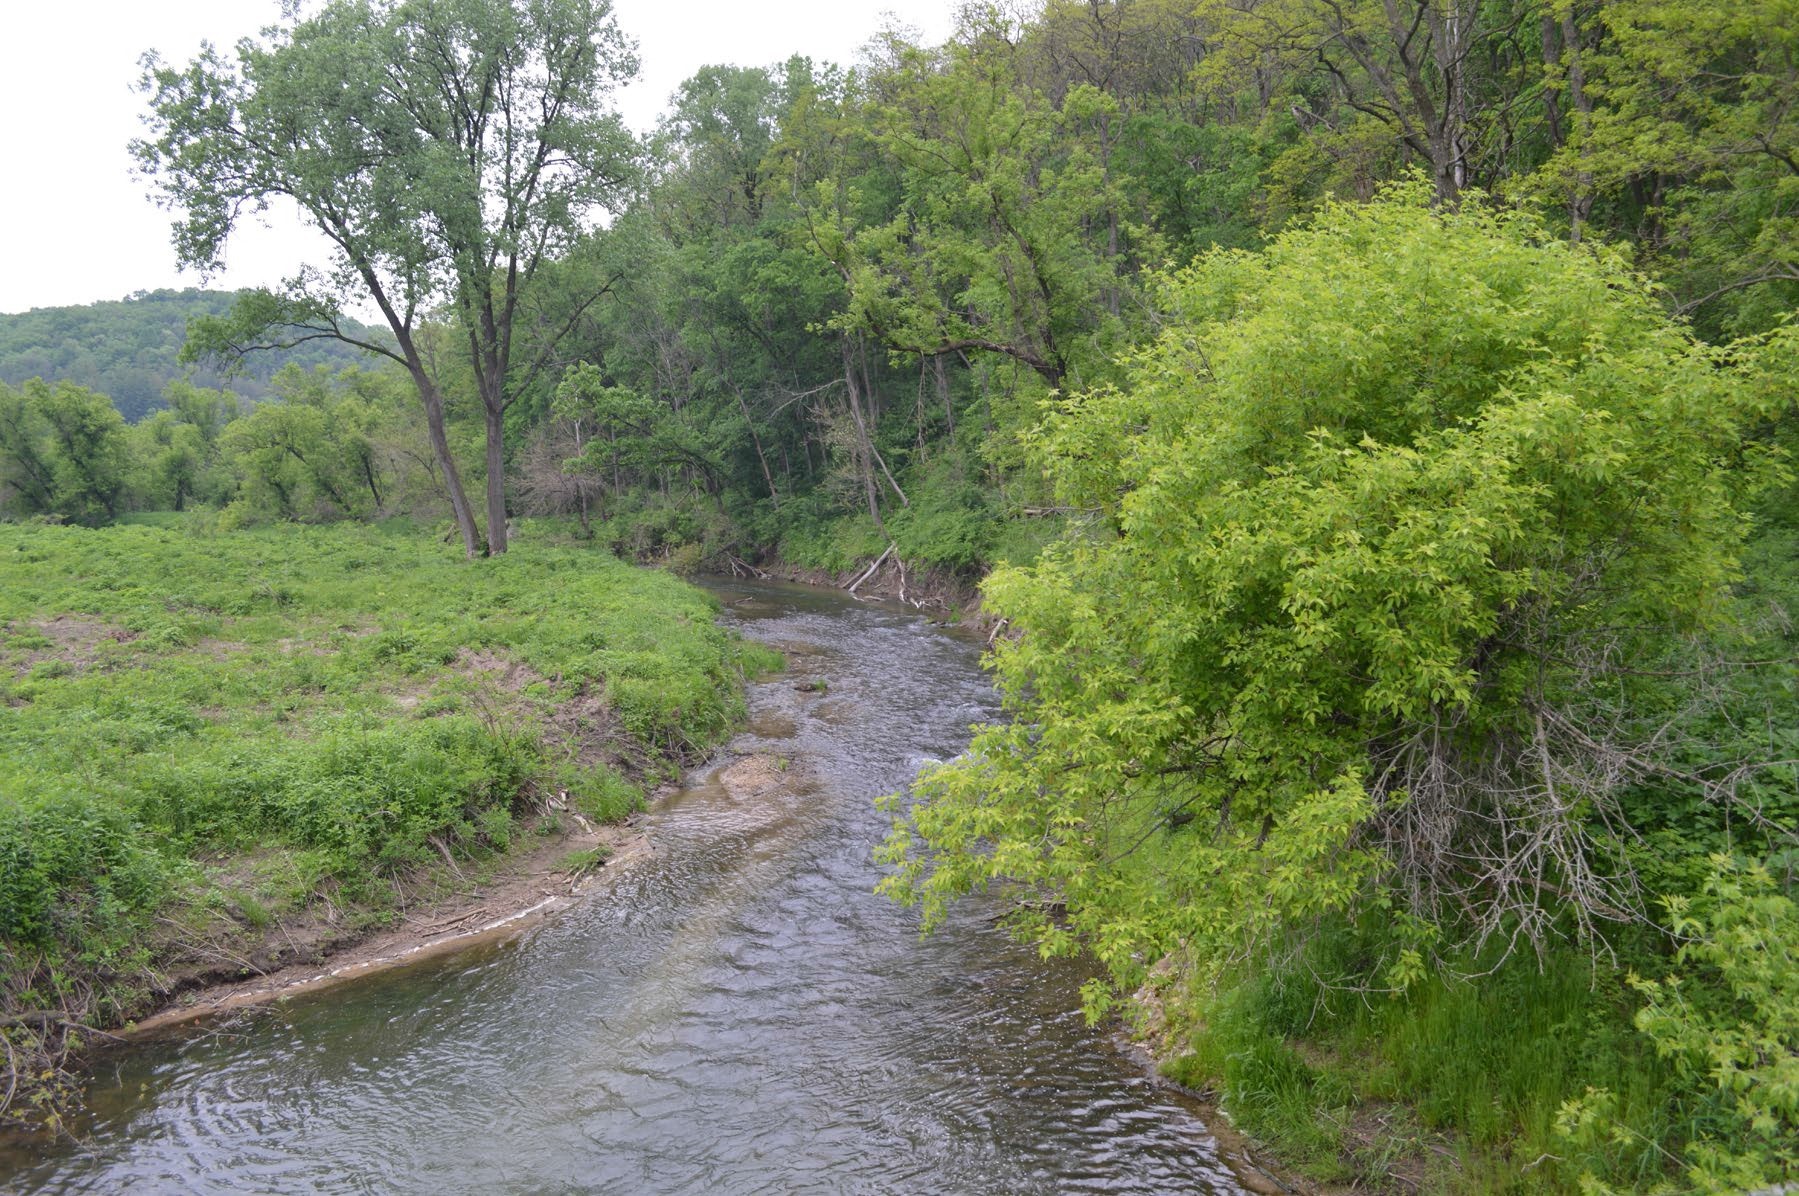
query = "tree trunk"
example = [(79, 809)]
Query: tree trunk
[(864, 448), (949, 410), (440, 448), (872, 420), (368, 475), (761, 458), (1552, 62), (496, 478), (1581, 194)]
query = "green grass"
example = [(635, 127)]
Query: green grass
[(586, 859), (1461, 1079), (341, 704)]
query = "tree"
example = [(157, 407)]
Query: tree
[(178, 446), (1391, 525), (319, 452), (1010, 236), (1380, 83), (26, 480), (448, 150), (63, 451), (1689, 130)]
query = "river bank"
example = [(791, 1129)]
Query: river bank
[(567, 862), (308, 954), (938, 593), (231, 756)]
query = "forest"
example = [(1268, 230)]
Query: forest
[(130, 349), (1368, 426)]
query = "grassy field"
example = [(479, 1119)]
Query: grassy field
[(234, 726)]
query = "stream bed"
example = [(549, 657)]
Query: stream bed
[(738, 1013)]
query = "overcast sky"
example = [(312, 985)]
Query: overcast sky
[(77, 227)]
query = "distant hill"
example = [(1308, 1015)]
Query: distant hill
[(126, 349)]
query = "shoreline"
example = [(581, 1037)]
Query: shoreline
[(934, 592), (521, 894), (527, 890)]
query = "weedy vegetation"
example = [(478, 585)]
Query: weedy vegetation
[(206, 731)]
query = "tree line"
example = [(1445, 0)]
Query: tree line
[(842, 294), (324, 446)]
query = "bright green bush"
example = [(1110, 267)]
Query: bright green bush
[(1365, 507)]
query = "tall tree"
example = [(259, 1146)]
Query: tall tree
[(1382, 83), (448, 149), (63, 451), (1009, 235)]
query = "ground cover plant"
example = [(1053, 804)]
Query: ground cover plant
[(226, 727)]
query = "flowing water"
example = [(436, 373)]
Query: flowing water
[(739, 1013)]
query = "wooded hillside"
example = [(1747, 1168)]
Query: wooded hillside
[(129, 349)]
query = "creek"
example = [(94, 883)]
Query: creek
[(738, 1013)]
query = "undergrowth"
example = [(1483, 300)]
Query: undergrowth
[(1536, 1075)]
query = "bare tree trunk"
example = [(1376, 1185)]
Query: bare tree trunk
[(440, 448), (496, 478), (873, 420), (864, 449), (761, 458), (1454, 45), (1580, 196), (1552, 60), (918, 416), (368, 475)]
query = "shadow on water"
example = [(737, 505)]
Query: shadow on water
[(739, 1014)]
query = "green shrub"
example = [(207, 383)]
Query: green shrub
[(1728, 1020)]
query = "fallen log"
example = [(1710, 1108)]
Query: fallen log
[(879, 561)]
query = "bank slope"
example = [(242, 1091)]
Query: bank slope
[(207, 740)]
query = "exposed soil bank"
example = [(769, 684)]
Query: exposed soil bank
[(932, 590), (518, 890), (523, 888)]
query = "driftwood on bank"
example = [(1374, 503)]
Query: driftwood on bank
[(879, 561), (742, 568)]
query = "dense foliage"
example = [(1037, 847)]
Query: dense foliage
[(130, 350), (1399, 530), (325, 447), (1393, 500)]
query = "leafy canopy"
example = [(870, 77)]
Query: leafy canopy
[(1358, 509), (448, 149)]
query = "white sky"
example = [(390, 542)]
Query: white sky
[(76, 227)]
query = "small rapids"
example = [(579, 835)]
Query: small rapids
[(739, 1013)]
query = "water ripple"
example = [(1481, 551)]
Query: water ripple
[(741, 1015)]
